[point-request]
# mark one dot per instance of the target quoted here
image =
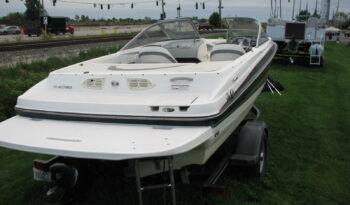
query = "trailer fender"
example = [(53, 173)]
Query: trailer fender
[(249, 141)]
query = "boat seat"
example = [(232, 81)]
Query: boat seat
[(226, 52), (155, 54)]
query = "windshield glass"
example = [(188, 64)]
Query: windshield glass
[(243, 28), (164, 31)]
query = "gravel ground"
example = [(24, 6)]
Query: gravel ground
[(79, 31), (27, 56)]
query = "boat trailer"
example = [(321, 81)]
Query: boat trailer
[(251, 136)]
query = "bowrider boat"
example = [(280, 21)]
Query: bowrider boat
[(167, 92)]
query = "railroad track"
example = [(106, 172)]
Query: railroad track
[(67, 42)]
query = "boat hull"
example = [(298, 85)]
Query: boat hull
[(190, 142), (110, 141)]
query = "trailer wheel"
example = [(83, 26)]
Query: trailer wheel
[(259, 167), (251, 150)]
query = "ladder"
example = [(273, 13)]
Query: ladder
[(170, 185)]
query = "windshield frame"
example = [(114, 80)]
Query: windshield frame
[(231, 30), (144, 33)]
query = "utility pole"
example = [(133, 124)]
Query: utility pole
[(281, 9), (39, 11), (179, 11), (162, 16), (39, 19), (42, 12), (293, 9), (337, 16), (220, 7), (271, 14), (336, 13), (316, 7), (325, 10)]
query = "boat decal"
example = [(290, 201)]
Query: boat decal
[(63, 87), (180, 87)]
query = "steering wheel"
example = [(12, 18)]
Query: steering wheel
[(245, 43), (242, 41)]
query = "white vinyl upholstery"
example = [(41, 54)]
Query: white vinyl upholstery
[(155, 54), (226, 52)]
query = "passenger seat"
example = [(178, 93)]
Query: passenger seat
[(226, 52), (155, 54)]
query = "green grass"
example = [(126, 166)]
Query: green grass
[(14, 80), (214, 36), (309, 144)]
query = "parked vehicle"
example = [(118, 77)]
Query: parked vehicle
[(55, 25), (70, 29), (10, 30), (205, 26), (32, 30), (347, 34), (299, 41)]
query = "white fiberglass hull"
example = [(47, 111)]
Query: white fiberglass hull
[(112, 141), (107, 110)]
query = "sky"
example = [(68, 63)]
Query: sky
[(259, 9)]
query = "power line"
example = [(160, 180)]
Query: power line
[(106, 3)]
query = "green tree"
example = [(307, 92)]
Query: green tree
[(77, 17), (214, 19), (84, 18), (340, 20), (32, 12), (13, 18), (304, 12)]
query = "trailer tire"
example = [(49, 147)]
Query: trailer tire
[(251, 149), (257, 170)]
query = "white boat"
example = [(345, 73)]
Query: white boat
[(299, 39), (168, 92)]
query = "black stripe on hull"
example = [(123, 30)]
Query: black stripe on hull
[(254, 81)]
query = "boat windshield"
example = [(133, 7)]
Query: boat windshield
[(245, 29), (164, 31)]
